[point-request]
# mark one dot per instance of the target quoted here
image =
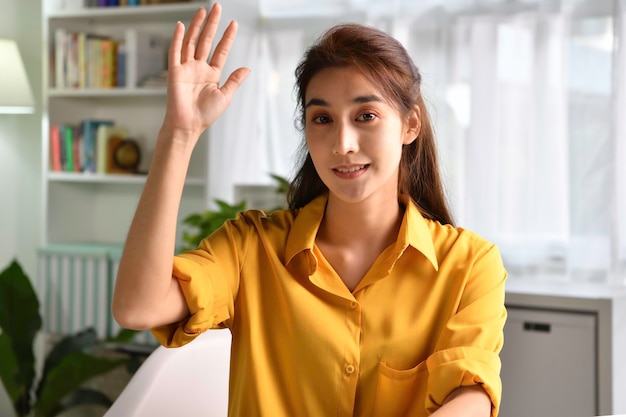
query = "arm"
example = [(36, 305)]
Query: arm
[(470, 401), (146, 295)]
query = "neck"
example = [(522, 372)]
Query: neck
[(370, 223)]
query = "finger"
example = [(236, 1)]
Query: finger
[(233, 82), (205, 41), (176, 45), (223, 47), (191, 37)]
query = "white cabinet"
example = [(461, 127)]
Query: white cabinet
[(564, 350), (544, 352)]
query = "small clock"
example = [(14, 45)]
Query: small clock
[(127, 155)]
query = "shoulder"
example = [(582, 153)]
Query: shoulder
[(461, 243), (258, 223)]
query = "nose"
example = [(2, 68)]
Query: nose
[(346, 140)]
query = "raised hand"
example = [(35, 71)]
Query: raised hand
[(195, 98)]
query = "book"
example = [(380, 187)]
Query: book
[(82, 59), (68, 147), (60, 57), (120, 67), (72, 61), (106, 137), (55, 149), (77, 149), (89, 129)]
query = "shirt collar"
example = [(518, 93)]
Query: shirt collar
[(414, 231), (305, 227)]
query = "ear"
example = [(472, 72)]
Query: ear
[(413, 125)]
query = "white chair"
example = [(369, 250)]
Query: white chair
[(188, 381)]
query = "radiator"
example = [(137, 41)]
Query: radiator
[(75, 286)]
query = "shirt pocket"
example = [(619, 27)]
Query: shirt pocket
[(401, 392)]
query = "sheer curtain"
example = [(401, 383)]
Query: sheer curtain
[(528, 100)]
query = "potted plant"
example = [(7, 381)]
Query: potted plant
[(68, 365)]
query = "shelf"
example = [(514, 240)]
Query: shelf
[(72, 200), (128, 13), (107, 92), (108, 178)]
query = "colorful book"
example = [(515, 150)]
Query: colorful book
[(77, 149), (90, 132), (55, 149), (68, 140)]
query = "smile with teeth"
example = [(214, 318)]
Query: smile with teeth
[(350, 169)]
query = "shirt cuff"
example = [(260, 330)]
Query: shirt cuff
[(459, 367), (199, 296)]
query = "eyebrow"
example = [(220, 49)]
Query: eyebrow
[(360, 99)]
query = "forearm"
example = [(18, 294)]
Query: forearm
[(465, 402), (144, 284)]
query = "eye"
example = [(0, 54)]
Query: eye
[(321, 119), (366, 117)]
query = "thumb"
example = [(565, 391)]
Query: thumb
[(234, 81)]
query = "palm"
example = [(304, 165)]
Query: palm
[(195, 98)]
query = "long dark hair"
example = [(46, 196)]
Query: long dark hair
[(385, 62)]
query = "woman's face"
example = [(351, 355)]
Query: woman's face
[(355, 136)]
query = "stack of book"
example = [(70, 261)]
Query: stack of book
[(90, 60), (85, 147), (109, 3)]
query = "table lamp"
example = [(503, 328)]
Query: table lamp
[(16, 96)]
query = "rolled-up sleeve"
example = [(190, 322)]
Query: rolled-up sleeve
[(468, 349), (209, 279)]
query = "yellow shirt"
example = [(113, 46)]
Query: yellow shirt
[(426, 319)]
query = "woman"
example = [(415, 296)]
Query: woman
[(360, 300)]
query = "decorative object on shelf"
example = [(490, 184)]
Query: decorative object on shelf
[(16, 96), (127, 156), (164, 1)]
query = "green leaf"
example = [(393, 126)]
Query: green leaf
[(73, 370), (124, 335), (67, 345), (9, 370), (283, 183), (193, 219), (20, 320)]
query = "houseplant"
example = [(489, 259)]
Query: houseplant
[(206, 222), (69, 363)]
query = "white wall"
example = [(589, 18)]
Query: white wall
[(20, 145), (20, 152)]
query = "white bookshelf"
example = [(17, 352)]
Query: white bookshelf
[(94, 209)]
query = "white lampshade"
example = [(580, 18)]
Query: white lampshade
[(16, 95)]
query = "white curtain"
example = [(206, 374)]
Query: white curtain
[(528, 99)]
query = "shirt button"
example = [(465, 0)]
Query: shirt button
[(353, 304), (350, 369)]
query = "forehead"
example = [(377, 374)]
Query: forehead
[(341, 83)]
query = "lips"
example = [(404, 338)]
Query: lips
[(351, 171)]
